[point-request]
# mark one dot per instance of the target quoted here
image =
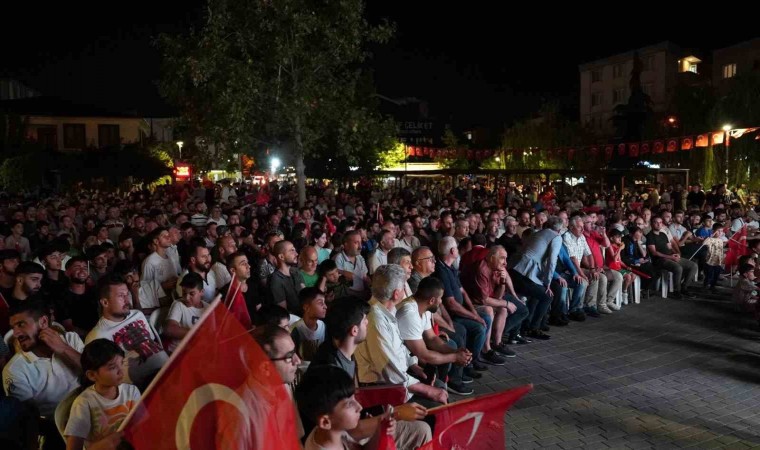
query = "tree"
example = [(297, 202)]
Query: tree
[(285, 73)]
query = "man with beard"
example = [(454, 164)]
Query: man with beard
[(284, 283), (46, 368), (28, 283), (225, 246), (130, 330), (200, 263), (80, 300), (98, 257), (9, 260), (158, 266), (240, 271)]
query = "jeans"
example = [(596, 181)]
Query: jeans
[(712, 273), (456, 341), (515, 319), (576, 301), (538, 300), (475, 332), (683, 271)]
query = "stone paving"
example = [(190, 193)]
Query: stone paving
[(661, 374)]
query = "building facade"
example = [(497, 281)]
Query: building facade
[(733, 61)]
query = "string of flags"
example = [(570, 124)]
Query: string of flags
[(631, 149)]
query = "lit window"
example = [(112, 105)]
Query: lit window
[(729, 71), (693, 68)]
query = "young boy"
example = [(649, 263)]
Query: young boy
[(185, 312), (273, 315), (309, 332), (326, 397), (329, 281), (715, 256), (745, 293)]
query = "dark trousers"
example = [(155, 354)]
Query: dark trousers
[(712, 273), (457, 340), (538, 300), (515, 320)]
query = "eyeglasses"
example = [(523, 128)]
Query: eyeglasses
[(288, 358), (425, 259)]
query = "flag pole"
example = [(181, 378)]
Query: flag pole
[(523, 390)]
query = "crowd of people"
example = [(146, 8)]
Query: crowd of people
[(424, 287)]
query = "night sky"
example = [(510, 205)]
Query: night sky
[(474, 62)]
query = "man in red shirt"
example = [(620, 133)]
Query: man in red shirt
[(610, 281)]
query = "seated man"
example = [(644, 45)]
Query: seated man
[(130, 330), (414, 316), (383, 358), (665, 258)]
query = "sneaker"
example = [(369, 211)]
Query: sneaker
[(677, 295), (459, 389), (545, 328), (592, 312), (472, 373), (604, 309), (479, 367), (519, 340), (503, 350), (557, 322), (578, 316), (688, 294), (538, 334), (613, 306), (492, 358), (468, 379)]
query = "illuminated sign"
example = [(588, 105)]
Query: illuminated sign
[(182, 171)]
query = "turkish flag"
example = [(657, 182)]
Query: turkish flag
[(621, 149), (633, 149), (659, 147), (608, 152), (717, 137), (217, 391), (737, 246), (476, 423), (672, 145), (645, 148), (703, 140), (235, 301), (687, 143)]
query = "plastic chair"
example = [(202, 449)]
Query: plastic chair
[(157, 319), (63, 410)]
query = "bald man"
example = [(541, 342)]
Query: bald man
[(307, 265)]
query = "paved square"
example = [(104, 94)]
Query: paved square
[(662, 374)]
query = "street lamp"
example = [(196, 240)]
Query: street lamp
[(180, 144), (275, 164), (726, 129)]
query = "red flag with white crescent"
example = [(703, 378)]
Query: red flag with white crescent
[(217, 391), (474, 424)]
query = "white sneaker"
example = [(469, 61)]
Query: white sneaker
[(625, 298), (613, 306), (604, 309)]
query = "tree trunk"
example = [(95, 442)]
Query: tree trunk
[(300, 166)]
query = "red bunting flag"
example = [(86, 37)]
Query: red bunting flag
[(621, 149), (717, 137), (645, 148), (608, 149), (570, 153), (474, 423), (659, 146), (687, 143), (217, 391), (594, 151), (703, 140), (672, 145), (633, 149)]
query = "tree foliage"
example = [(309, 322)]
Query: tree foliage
[(277, 74)]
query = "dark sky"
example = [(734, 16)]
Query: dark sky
[(476, 63)]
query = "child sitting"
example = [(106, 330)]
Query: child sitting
[(103, 402), (186, 311), (745, 292), (329, 281), (715, 257), (325, 397), (309, 332), (614, 261)]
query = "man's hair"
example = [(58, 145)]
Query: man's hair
[(395, 255), (429, 287), (192, 280), (614, 232), (266, 336), (321, 389), (387, 279), (153, 235), (95, 355), (35, 308), (417, 251), (94, 251), (326, 266), (124, 268), (46, 251), (270, 315), (231, 258), (744, 268), (309, 294), (554, 223), (343, 314), (279, 248), (479, 239), (446, 244), (194, 246), (28, 268), (494, 250), (104, 285), (350, 234)]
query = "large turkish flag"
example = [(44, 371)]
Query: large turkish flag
[(474, 424), (217, 391)]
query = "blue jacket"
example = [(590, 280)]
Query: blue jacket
[(564, 258)]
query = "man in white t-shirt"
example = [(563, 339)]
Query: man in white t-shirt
[(185, 312), (226, 246), (173, 252), (200, 263), (414, 316), (158, 266), (46, 365), (130, 330)]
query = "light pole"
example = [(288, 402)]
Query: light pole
[(275, 164), (180, 144), (726, 129)]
